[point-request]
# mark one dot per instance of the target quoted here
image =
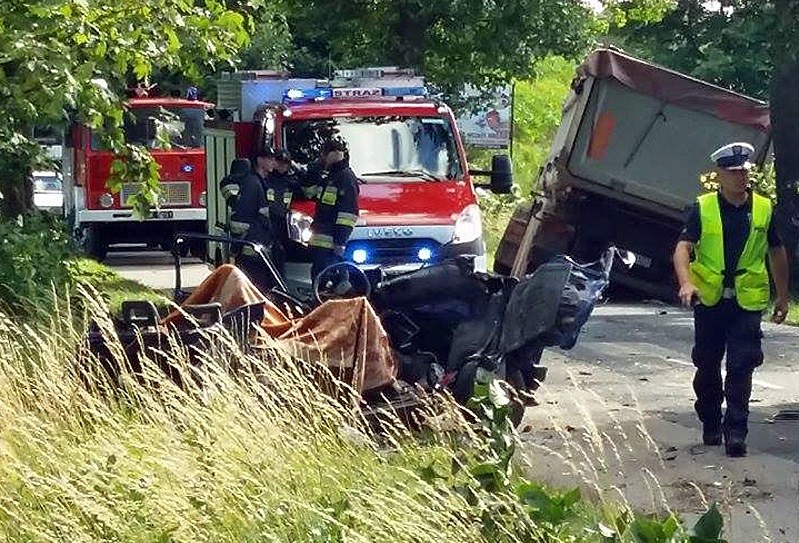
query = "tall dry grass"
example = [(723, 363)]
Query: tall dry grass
[(252, 455), (250, 449)]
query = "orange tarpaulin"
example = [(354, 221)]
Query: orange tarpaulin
[(343, 334)]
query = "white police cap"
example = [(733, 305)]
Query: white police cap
[(733, 156)]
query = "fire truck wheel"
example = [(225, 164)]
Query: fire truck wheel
[(93, 243), (198, 248)]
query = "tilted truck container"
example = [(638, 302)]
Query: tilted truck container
[(625, 165)]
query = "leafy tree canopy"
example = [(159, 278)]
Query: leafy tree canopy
[(453, 42), (737, 44), (79, 56)]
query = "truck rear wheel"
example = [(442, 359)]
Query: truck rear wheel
[(94, 243)]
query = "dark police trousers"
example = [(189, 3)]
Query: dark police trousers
[(725, 327)]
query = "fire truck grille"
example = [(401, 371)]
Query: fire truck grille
[(175, 193)]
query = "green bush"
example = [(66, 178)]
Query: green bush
[(39, 263), (33, 253)]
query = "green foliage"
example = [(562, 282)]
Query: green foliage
[(32, 252), (537, 113), (451, 42), (546, 506), (270, 44), (708, 528), (653, 530), (75, 56), (762, 181), (38, 263), (708, 43)]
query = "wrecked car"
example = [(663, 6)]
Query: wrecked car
[(444, 327)]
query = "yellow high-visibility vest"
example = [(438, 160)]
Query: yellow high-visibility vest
[(751, 274)]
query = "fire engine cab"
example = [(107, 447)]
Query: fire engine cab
[(100, 218), (417, 201)]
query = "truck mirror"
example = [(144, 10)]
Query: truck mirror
[(501, 174)]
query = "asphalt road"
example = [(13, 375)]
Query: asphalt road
[(156, 269), (616, 417)]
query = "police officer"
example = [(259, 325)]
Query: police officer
[(336, 207), (279, 189), (731, 233)]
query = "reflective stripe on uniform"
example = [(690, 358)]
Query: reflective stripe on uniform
[(310, 192), (321, 240), (329, 196), (346, 219), (230, 190), (238, 227)]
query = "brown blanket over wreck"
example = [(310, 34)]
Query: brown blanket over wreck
[(346, 335)]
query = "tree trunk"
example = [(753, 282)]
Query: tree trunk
[(784, 109), (16, 186)]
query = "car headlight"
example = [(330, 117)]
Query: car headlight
[(299, 227), (106, 200), (203, 199), (469, 226)]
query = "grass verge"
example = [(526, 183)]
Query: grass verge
[(114, 288), (251, 450)]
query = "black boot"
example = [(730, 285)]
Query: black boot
[(735, 446), (711, 435)]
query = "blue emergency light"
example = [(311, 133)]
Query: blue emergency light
[(404, 91), (303, 95), (360, 256), (425, 254)]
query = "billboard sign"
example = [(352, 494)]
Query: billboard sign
[(490, 125)]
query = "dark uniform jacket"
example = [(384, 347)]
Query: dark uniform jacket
[(336, 207), (279, 190), (244, 195)]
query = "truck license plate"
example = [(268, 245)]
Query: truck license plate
[(162, 214)]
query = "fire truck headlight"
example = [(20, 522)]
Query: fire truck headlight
[(106, 200), (299, 227), (203, 199), (469, 225)]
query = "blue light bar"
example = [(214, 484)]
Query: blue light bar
[(299, 95), (404, 91), (328, 93)]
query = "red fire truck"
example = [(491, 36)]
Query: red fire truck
[(417, 200), (100, 218)]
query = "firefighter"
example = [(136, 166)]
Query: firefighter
[(244, 194), (336, 207), (731, 234), (279, 189)]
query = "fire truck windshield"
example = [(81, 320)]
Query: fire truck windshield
[(385, 146), (184, 127)]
